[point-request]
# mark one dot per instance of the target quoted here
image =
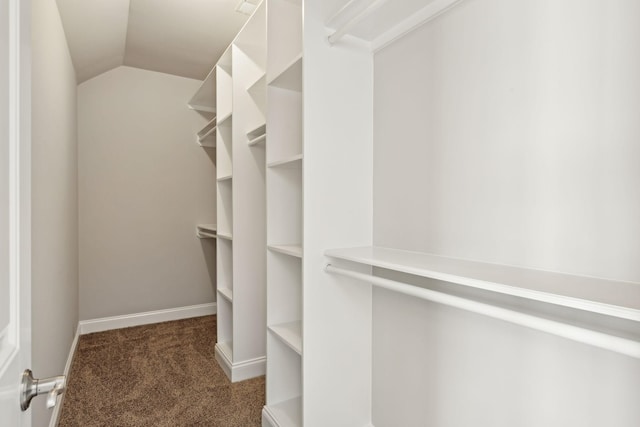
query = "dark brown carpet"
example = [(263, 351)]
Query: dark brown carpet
[(157, 375)]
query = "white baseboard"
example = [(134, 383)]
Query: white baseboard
[(146, 318), (268, 420), (55, 414), (240, 371)]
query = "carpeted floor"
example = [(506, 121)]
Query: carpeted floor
[(157, 375)]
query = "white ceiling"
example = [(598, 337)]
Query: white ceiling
[(180, 37)]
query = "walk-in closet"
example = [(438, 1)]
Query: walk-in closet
[(401, 212)]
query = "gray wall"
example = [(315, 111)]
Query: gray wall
[(144, 184), (507, 132), (54, 198)]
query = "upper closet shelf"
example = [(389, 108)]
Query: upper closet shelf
[(602, 296), (206, 231), (291, 77), (205, 98), (379, 22)]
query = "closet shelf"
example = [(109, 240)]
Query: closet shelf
[(292, 250), (207, 129), (291, 77), (602, 296), (224, 119), (226, 293), (286, 414), (202, 108), (206, 231), (290, 334), (257, 135), (225, 236), (293, 161), (379, 22), (257, 140), (205, 97), (225, 178)]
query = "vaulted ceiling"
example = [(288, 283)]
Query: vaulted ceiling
[(180, 37)]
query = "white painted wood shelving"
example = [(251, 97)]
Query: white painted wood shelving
[(284, 160), (619, 300), (206, 231), (241, 235)]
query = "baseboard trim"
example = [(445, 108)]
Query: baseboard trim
[(55, 414), (240, 371), (267, 418), (146, 318)]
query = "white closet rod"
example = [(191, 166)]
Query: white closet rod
[(581, 335), (340, 32)]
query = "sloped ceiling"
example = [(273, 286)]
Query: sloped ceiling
[(180, 37)]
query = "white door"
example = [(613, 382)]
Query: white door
[(15, 311)]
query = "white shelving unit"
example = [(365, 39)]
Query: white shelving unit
[(241, 236), (601, 296), (284, 159), (377, 23)]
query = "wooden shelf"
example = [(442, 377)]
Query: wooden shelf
[(293, 161), (224, 119), (257, 140), (379, 22), (602, 296), (204, 99), (226, 293), (257, 135), (291, 77), (287, 413), (208, 128), (224, 236), (292, 250), (290, 334), (206, 231)]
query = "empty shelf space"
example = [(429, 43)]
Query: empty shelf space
[(602, 296), (225, 178), (291, 77), (293, 161), (290, 334), (287, 413), (225, 236), (206, 231), (292, 250), (226, 293)]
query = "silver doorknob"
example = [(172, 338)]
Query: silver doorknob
[(31, 387)]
